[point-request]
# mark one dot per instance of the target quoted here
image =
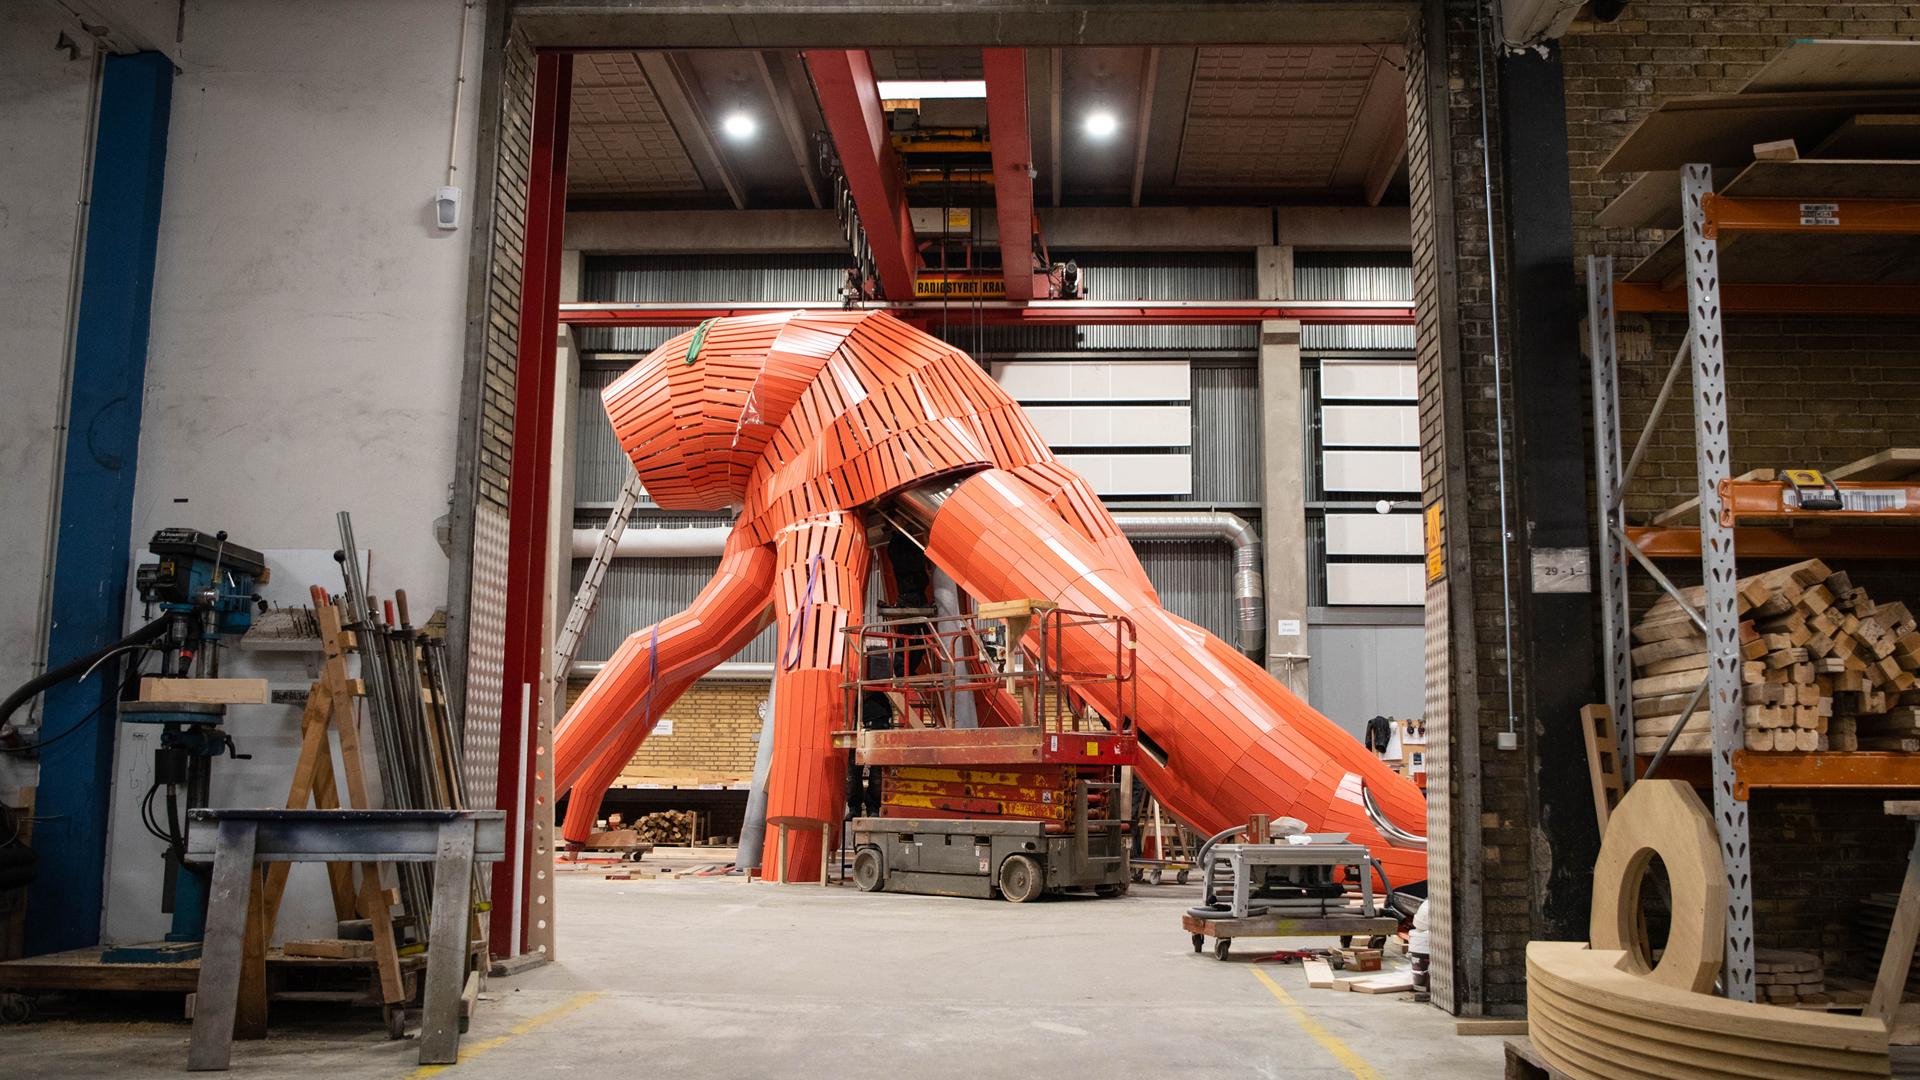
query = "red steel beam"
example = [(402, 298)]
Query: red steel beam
[(1006, 75), (528, 500), (850, 103), (1035, 313)]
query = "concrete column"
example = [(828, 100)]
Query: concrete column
[(1283, 458)]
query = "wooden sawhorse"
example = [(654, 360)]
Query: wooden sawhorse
[(233, 956)]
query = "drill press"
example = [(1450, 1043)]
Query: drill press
[(203, 587)]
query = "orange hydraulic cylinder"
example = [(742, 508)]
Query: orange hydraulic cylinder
[(1234, 742)]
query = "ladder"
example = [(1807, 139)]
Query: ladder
[(567, 644)]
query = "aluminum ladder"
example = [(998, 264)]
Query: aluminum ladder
[(567, 644)]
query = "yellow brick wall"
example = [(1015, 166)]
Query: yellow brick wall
[(715, 730)]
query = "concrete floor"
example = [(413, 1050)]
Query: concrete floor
[(701, 978)]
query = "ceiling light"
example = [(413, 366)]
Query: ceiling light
[(1102, 124), (910, 89), (739, 126)]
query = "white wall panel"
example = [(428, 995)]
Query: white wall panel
[(1369, 425), (1081, 380), (1372, 470), (1134, 474), (1375, 583), (1388, 380), (1361, 672), (1113, 425), (1373, 534)]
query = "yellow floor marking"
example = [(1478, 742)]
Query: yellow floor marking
[(1341, 1051), (468, 1053)]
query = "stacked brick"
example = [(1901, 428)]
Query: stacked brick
[(1784, 977), (1823, 666)]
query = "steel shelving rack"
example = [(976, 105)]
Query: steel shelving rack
[(1723, 504)]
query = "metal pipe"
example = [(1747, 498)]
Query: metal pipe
[(667, 543), (1396, 836), (1249, 587), (1499, 391), (753, 829), (731, 671)]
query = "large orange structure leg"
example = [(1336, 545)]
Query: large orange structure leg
[(1224, 741), (652, 668), (822, 586)]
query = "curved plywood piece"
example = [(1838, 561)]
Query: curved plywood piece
[(1664, 818), (1593, 1018), (1704, 1052)]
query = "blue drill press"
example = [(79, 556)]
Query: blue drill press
[(203, 587)]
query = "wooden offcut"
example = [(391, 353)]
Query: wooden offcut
[(204, 691)]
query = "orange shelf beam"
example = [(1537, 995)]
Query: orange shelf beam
[(1779, 542), (1750, 500), (1851, 769), (1885, 217), (1647, 298)]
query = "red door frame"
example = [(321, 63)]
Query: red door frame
[(529, 497)]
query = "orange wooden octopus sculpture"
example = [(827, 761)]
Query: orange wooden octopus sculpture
[(806, 424)]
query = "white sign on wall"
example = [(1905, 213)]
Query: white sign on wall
[(664, 727), (1288, 628)]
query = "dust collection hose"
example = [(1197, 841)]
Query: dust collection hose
[(38, 685)]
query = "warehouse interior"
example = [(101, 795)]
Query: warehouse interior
[(1352, 539)]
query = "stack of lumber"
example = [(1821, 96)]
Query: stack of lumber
[(668, 827), (1824, 666), (1786, 977)]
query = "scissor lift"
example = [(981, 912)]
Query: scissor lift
[(1025, 803)]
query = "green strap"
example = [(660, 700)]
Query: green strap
[(699, 339)]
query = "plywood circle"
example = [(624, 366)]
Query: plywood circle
[(1664, 818)]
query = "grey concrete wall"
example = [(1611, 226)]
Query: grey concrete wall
[(306, 345), (45, 99), (1360, 672)]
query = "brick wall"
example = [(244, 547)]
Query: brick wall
[(1485, 907), (716, 732)]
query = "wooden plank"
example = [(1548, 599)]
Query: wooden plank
[(1319, 973), (330, 948), (1892, 136), (1721, 129), (1489, 1027), (1603, 761), (204, 691), (1895, 463), (1778, 150), (1832, 64), (1652, 201), (1827, 179), (1897, 957), (1394, 982), (1675, 513)]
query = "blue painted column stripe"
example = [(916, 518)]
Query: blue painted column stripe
[(92, 553)]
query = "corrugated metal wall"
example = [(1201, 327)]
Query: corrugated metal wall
[(1333, 276), (1195, 581), (638, 278), (1226, 431), (640, 592), (599, 466)]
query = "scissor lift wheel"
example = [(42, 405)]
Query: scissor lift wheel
[(1021, 879)]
